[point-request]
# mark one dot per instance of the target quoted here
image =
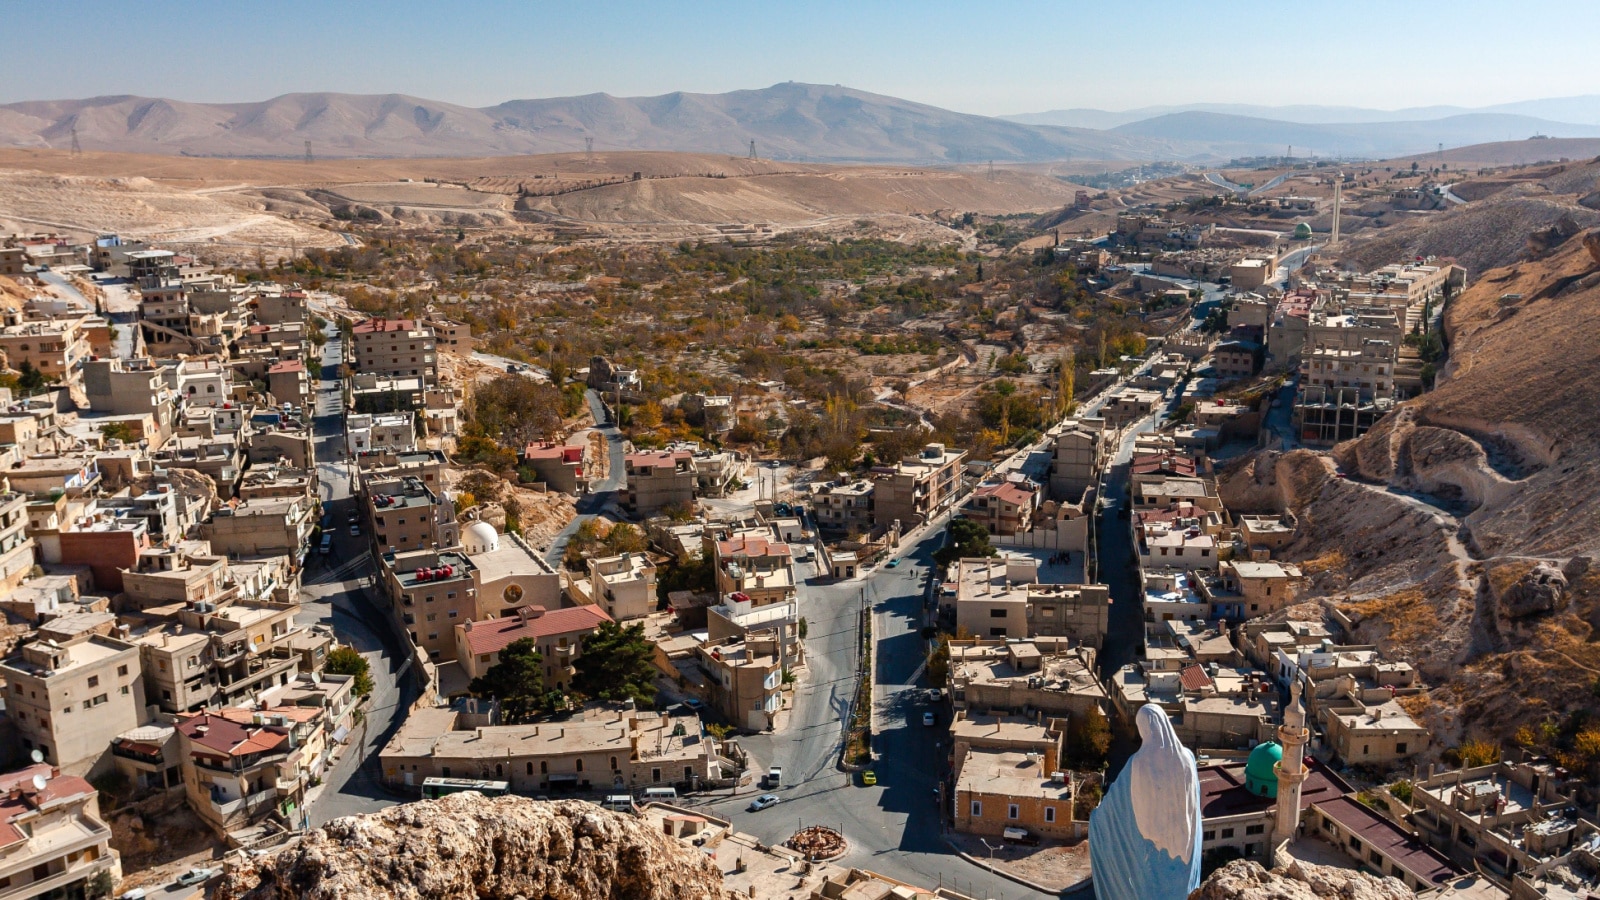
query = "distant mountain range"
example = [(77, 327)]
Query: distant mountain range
[(787, 121), (790, 121), (1583, 110)]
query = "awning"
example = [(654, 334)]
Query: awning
[(563, 776)]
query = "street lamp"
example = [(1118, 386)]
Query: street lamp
[(992, 848)]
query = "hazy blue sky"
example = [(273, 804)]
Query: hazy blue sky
[(987, 57)]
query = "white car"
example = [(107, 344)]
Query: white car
[(764, 801), (928, 719)]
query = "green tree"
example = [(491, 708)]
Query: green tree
[(517, 681), (346, 661), (967, 538), (29, 378), (618, 662), (625, 538), (1089, 739), (118, 431)]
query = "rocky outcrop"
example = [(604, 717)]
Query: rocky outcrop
[(1240, 880), (469, 847), (1524, 589), (1591, 241)]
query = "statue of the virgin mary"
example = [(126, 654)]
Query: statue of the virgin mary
[(1144, 839)]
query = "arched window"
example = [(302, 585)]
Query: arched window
[(613, 763), (544, 767), (580, 765)]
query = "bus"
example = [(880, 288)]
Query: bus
[(434, 788)]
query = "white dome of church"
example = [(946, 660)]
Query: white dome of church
[(480, 537)]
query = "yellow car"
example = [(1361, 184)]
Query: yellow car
[(869, 778)]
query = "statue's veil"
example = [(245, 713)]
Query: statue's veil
[(1162, 783)]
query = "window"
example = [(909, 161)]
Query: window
[(1227, 833), (445, 771), (613, 763), (122, 670), (1208, 836), (1400, 747), (94, 681), (1049, 813), (655, 775), (977, 809), (997, 632), (123, 690), (483, 657), (580, 764), (544, 767), (1355, 843), (993, 614), (1364, 749), (453, 614), (1013, 811), (1254, 829), (1377, 858), (530, 768)]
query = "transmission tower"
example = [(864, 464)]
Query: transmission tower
[(77, 149), (308, 153), (588, 149), (991, 170), (752, 148)]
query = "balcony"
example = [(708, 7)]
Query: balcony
[(244, 806)]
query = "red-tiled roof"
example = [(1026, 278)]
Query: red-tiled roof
[(1172, 514), (1008, 491), (1389, 839), (220, 735), (751, 547), (1194, 678), (374, 326), (563, 452), (657, 458), (493, 635), (1171, 463)]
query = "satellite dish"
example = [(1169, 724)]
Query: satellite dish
[(39, 781), (38, 756)]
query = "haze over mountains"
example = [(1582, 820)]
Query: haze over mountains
[(789, 121)]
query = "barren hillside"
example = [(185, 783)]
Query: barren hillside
[(1491, 231), (242, 204), (1465, 538)]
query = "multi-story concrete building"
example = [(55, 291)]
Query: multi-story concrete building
[(844, 507), (1128, 406), (624, 585), (241, 767), (56, 844), (390, 432), (559, 466), (507, 574), (430, 592), (605, 749), (746, 679), (16, 545), (917, 488), (760, 569), (658, 479), (274, 526), (1507, 818), (57, 347), (1006, 508), (450, 336), (1009, 775), (1080, 454), (557, 635), (1050, 675), (406, 514), (71, 697), (396, 347)]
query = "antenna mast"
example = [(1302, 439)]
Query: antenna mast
[(308, 153), (753, 149)]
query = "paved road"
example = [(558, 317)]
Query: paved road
[(335, 591), (601, 493), (894, 827)]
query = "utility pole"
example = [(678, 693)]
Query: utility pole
[(588, 149), (77, 148), (309, 159), (991, 170)]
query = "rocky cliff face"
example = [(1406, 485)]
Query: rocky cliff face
[(468, 847), (1240, 880)]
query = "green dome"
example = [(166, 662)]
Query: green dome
[(1260, 773), (1302, 232)]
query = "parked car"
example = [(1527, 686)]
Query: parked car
[(763, 801), (196, 876), (894, 564), (355, 530), (928, 719), (869, 778), (135, 894)]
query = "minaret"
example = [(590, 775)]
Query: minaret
[(1292, 736), (1338, 206)]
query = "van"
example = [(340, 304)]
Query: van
[(618, 802), (660, 795), (1018, 836), (327, 544)]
